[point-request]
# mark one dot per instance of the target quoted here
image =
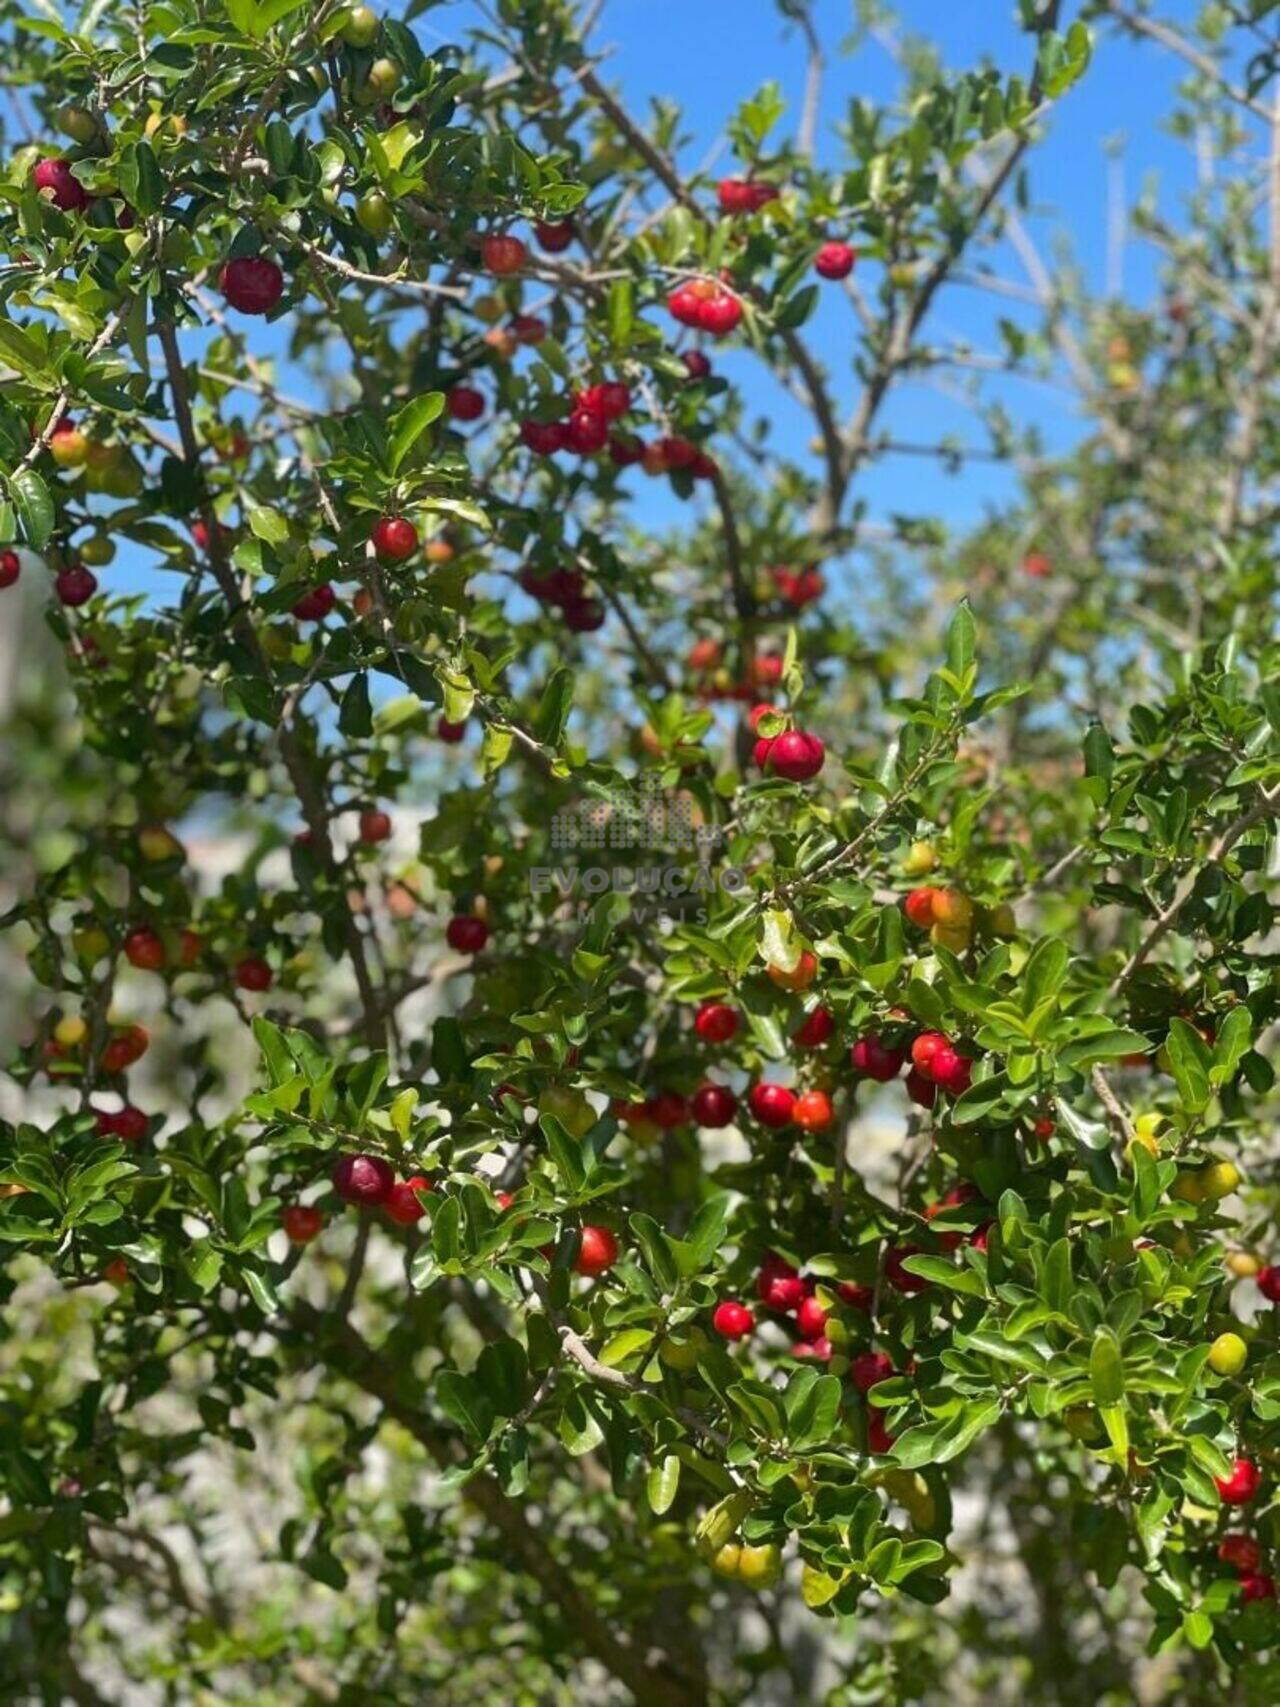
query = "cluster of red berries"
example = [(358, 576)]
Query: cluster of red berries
[(744, 195), (707, 305), (369, 1182), (798, 587), (128, 1123), (316, 603), (1244, 1555), (566, 590)]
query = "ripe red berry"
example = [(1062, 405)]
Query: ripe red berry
[(55, 180), (1257, 1586), (124, 1048), (554, 235), (375, 825), (1269, 1283), (450, 733), (10, 568), (597, 1251), (584, 616), (925, 1047), (721, 315), (130, 1124), (951, 1072), (714, 1106), (799, 587), (301, 1223), (1241, 1485), (252, 284), (466, 933), (859, 1297), (1242, 1552), (813, 1111), (544, 438), (811, 1319), (876, 1060), (529, 328), (778, 1285), (697, 365), (1044, 1128), (899, 1277), (464, 402), (586, 432), (316, 603), (394, 538), (253, 973), (503, 255), (744, 195), (733, 1321), (772, 1105), (668, 1110), (402, 1203), (814, 1029), (794, 755), (869, 1367), (918, 906), (835, 260), (820, 1350), (144, 949), (1037, 565), (363, 1180), (923, 1092), (75, 585), (715, 1022), (879, 1440), (625, 449)]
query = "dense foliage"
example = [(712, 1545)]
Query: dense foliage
[(628, 1083)]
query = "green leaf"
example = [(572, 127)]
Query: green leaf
[(625, 1345), (34, 506), (662, 1484), (355, 714), (1190, 1061), (409, 424), (621, 313), (961, 641), (1106, 1369), (463, 1400)]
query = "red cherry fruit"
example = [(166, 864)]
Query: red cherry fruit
[(1044, 1128), (669, 1110), (721, 315), (375, 825), (799, 587), (925, 1048), (715, 1022), (772, 1105), (253, 973), (464, 403), (677, 453), (899, 1277), (876, 1060), (778, 1285), (75, 585), (714, 1106), (124, 1048), (1257, 1586), (301, 1223), (811, 1319), (814, 1030), (55, 180), (1269, 1283), (733, 1321), (860, 1297), (696, 364), (503, 255), (144, 949), (466, 933), (744, 195), (923, 1092), (1242, 1552), (918, 906), (363, 1180), (544, 438), (586, 432), (813, 1111), (625, 450), (450, 733), (597, 1251), (951, 1072), (130, 1123), (795, 755), (1241, 1485), (529, 328), (554, 235), (820, 1350), (869, 1367), (835, 260), (252, 284), (611, 399), (394, 538), (10, 568), (1037, 565), (879, 1440), (316, 603), (584, 616), (402, 1203)]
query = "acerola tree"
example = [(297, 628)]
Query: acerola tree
[(468, 951)]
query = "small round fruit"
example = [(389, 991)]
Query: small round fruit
[(252, 284), (375, 826), (732, 1321), (1083, 1423), (812, 1111), (835, 260), (301, 1223), (384, 79), (10, 568), (1243, 1264), (98, 550), (716, 1022), (1257, 1585), (797, 977), (1241, 1552), (554, 236), (811, 1319), (374, 213), (464, 403), (70, 1031), (75, 585), (920, 859), (1228, 1354), (56, 182), (1187, 1188), (759, 1567), (869, 1368), (79, 124), (714, 1106), (724, 1562), (1243, 1482), (359, 26), (919, 905), (876, 1060), (363, 1180), (394, 538), (253, 973), (145, 950), (503, 256), (466, 933), (772, 1105), (597, 1251), (1218, 1180), (814, 1029), (402, 1202)]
